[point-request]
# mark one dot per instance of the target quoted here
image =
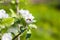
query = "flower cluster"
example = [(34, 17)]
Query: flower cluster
[(3, 14), (27, 16)]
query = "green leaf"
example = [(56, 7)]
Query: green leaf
[(12, 13), (23, 22), (7, 21), (4, 30)]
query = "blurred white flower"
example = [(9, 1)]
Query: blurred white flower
[(33, 26), (23, 12), (13, 30), (27, 16), (7, 36), (3, 14)]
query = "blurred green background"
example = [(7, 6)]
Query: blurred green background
[(47, 14)]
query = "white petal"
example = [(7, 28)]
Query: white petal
[(0, 15), (3, 14), (29, 17), (2, 11), (13, 30), (7, 36), (33, 20), (24, 12), (6, 15), (33, 26)]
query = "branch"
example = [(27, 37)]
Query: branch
[(17, 6), (17, 9), (18, 34)]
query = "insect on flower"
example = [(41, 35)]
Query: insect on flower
[(27, 16)]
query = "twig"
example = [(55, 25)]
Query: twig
[(17, 9), (16, 36), (17, 6)]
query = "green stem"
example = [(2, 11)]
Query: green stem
[(17, 9)]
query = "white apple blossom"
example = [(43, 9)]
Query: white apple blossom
[(27, 16), (13, 30), (23, 12), (7, 36), (3, 14), (33, 26)]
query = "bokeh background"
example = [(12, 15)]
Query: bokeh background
[(47, 14)]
